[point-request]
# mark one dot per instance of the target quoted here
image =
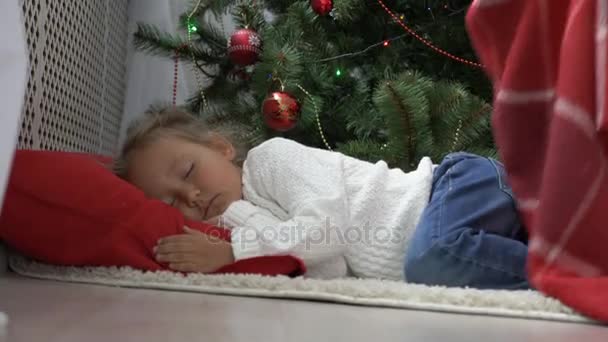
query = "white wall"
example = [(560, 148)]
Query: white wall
[(13, 64), (150, 78)]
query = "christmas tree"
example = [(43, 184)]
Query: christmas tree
[(349, 75)]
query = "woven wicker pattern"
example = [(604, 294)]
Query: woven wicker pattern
[(75, 93)]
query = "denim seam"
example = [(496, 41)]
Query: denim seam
[(501, 183), (448, 175), (437, 230)]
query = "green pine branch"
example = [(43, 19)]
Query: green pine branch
[(367, 150), (405, 105), (204, 31), (247, 15), (280, 65), (349, 11), (149, 39)]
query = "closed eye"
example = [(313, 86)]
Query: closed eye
[(189, 171)]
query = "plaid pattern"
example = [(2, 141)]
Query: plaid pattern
[(547, 60)]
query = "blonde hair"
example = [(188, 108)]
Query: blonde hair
[(157, 123)]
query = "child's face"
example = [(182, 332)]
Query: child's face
[(200, 181)]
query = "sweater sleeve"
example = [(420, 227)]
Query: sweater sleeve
[(306, 183)]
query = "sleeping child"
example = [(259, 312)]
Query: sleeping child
[(451, 224)]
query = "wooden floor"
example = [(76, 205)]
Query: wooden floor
[(51, 311)]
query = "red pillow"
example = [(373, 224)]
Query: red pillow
[(69, 209)]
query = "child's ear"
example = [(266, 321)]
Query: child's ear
[(223, 146), (229, 152)]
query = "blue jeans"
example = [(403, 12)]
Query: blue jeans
[(470, 233)]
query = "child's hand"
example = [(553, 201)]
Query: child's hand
[(215, 221), (194, 251)]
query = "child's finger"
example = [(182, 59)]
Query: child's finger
[(191, 231), (175, 257), (184, 267), (174, 248), (215, 221), (175, 239)]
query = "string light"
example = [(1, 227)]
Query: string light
[(352, 54), (426, 42), (386, 43), (338, 72), (191, 27), (194, 61)]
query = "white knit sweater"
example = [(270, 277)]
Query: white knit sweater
[(340, 215)]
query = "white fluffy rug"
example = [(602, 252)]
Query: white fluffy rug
[(370, 292)]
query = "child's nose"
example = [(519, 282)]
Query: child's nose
[(193, 198)]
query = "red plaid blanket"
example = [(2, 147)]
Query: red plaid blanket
[(547, 60)]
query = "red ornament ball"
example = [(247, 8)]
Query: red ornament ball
[(281, 111), (321, 7), (244, 47)]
